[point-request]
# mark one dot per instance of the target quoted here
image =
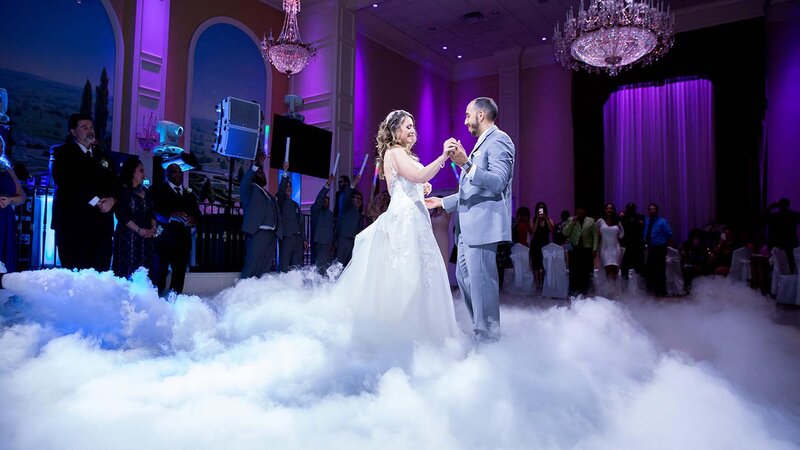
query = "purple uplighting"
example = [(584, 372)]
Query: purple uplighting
[(659, 140)]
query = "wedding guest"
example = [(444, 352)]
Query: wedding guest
[(657, 234), (260, 221), (322, 227), (136, 223), (522, 223), (582, 236), (440, 222), (291, 232), (177, 213), (378, 206), (348, 224), (695, 258), (11, 195), (633, 240), (782, 228), (558, 232), (86, 192), (610, 231), (542, 227)]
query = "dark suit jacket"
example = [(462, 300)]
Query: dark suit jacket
[(79, 178), (291, 217), (321, 220), (166, 202), (260, 208), (350, 221)]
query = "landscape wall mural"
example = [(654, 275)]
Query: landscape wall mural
[(62, 63)]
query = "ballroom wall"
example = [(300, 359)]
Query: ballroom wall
[(385, 81), (545, 148), (783, 104)]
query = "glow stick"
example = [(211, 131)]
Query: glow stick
[(363, 164), (375, 176), (286, 157), (455, 171), (336, 165)]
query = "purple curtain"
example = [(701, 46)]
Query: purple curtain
[(659, 147)]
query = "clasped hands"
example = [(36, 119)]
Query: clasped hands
[(452, 149)]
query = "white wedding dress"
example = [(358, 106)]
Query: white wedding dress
[(396, 283)]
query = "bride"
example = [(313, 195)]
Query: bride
[(396, 281)]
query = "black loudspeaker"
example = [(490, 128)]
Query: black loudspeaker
[(238, 128)]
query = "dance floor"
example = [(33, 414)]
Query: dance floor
[(88, 361)]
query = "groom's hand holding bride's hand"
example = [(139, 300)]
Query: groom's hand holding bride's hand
[(457, 152), (433, 202)]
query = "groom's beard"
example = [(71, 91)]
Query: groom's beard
[(473, 128)]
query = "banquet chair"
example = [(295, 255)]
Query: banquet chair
[(556, 277)]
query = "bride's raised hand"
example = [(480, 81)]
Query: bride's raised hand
[(448, 147)]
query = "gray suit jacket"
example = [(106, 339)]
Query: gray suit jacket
[(291, 218), (349, 222), (321, 220), (483, 201), (259, 207)]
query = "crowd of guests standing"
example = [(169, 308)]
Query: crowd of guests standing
[(153, 227), (625, 243)]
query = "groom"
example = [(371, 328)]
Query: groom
[(483, 202)]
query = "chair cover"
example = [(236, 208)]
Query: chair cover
[(740, 265), (523, 276), (556, 280), (787, 284), (674, 273), (780, 266)]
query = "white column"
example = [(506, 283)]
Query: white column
[(149, 77)]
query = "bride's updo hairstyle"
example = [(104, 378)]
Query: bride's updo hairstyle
[(388, 134)]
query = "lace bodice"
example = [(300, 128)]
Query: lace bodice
[(401, 187), (407, 218)]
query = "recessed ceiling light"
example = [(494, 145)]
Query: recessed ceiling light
[(544, 39), (459, 56), (374, 5), (444, 47)]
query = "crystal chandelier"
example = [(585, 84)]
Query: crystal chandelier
[(612, 35), (289, 54)]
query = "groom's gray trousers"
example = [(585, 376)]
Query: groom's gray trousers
[(476, 274)]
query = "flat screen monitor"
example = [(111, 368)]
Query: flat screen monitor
[(309, 148)]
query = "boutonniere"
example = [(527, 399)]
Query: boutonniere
[(189, 190), (104, 163)]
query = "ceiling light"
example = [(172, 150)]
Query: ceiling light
[(612, 35)]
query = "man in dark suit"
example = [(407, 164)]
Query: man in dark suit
[(349, 222), (322, 227), (260, 221), (86, 191), (177, 213), (290, 231)]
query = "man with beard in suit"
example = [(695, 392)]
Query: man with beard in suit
[(86, 191), (177, 213), (261, 220)]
